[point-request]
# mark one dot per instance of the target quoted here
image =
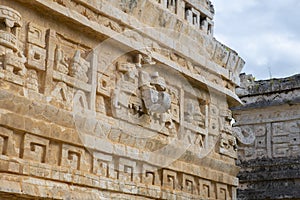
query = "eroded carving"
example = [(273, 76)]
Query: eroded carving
[(228, 145), (222, 192), (142, 97), (194, 113), (79, 67), (12, 59), (245, 135), (151, 176), (206, 189), (169, 179), (36, 148), (32, 80), (61, 61), (73, 157), (7, 146), (188, 183), (154, 94), (102, 164)]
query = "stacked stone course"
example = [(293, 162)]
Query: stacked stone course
[(115, 100)]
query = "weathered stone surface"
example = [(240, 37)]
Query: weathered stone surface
[(115, 100), (268, 129)]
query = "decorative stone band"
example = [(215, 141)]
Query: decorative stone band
[(201, 50), (64, 114), (245, 135), (54, 152)]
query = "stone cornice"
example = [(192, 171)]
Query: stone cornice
[(178, 46)]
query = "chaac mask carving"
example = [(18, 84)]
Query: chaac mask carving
[(141, 96)]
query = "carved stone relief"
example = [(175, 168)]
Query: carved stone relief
[(141, 97), (36, 148), (12, 59), (58, 92)]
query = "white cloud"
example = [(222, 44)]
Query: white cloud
[(264, 33), (233, 5)]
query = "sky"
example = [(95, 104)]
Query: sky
[(265, 33)]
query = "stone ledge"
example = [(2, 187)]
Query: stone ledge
[(134, 24), (42, 176), (263, 87)]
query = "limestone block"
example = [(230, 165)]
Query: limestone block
[(102, 164), (169, 179), (36, 148), (150, 175), (7, 143), (206, 189), (36, 35), (189, 185), (104, 85), (222, 192), (14, 167), (128, 170), (73, 157), (111, 102), (36, 57)]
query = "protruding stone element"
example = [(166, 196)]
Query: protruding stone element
[(72, 157), (36, 148), (79, 67), (153, 94), (245, 135), (193, 114), (228, 145), (11, 57), (14, 63), (7, 145), (36, 57), (156, 102), (32, 80), (10, 23), (61, 61), (247, 81)]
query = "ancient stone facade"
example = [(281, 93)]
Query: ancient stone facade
[(119, 99), (268, 128)]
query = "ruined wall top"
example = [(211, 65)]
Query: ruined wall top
[(252, 87), (269, 92)]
